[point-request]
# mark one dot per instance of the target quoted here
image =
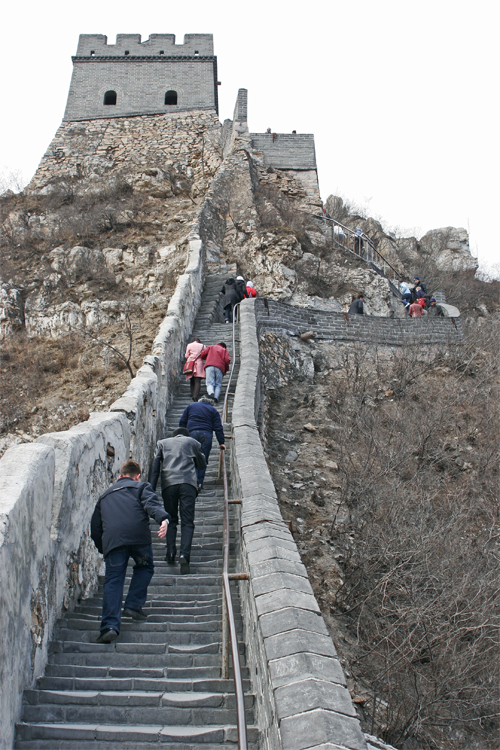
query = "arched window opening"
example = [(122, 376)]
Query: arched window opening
[(110, 97), (171, 97)]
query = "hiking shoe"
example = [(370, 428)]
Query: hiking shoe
[(184, 563), (108, 635), (135, 614)]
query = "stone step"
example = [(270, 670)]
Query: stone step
[(133, 713), (219, 734), (151, 698), (141, 683)]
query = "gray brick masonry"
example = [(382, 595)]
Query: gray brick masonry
[(302, 697), (329, 326), (286, 150), (140, 74)]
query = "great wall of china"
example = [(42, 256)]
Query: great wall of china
[(122, 109)]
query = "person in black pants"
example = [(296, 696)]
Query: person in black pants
[(202, 419), (120, 529), (178, 458)]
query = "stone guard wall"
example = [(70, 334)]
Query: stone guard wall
[(302, 699), (273, 315), (48, 490)]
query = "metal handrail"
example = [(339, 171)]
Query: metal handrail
[(362, 238), (229, 635)]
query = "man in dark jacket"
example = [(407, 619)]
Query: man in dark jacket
[(231, 298), (241, 287), (178, 458), (202, 419), (356, 306), (120, 529)]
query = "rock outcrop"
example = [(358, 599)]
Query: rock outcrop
[(446, 249)]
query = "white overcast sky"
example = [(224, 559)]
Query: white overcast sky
[(402, 97)]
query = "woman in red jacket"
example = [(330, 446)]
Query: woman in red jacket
[(217, 361)]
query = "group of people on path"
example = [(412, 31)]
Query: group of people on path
[(120, 522), (208, 363), (235, 290), (417, 300)]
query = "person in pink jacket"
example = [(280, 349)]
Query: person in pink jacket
[(217, 361), (193, 361)]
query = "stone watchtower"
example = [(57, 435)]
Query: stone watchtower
[(141, 78)]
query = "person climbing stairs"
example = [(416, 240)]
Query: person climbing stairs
[(160, 682)]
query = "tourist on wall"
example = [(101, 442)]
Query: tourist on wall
[(120, 529), (202, 420), (435, 311), (241, 287), (358, 241), (251, 290), (177, 459), (230, 299), (405, 290), (217, 361), (356, 306), (339, 233), (194, 367), (418, 286), (415, 310)]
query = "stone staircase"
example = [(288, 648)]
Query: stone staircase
[(160, 682)]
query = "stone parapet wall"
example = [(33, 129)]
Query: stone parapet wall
[(201, 44), (302, 699), (273, 315), (48, 490)]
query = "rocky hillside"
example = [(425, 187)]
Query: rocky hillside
[(91, 252), (385, 462)]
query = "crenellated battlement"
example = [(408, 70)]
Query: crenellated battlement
[(158, 45)]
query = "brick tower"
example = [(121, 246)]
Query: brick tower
[(141, 78)]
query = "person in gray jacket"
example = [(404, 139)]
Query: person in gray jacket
[(178, 458)]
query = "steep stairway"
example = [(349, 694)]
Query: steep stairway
[(160, 682)]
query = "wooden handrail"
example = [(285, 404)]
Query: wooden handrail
[(229, 634)]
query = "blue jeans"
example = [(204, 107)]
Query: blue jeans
[(205, 439), (213, 380), (116, 567)]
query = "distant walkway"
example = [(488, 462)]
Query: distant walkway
[(272, 315)]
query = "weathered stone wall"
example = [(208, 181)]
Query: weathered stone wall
[(49, 488), (292, 153), (302, 700), (150, 152), (326, 325)]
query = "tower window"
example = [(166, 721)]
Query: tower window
[(171, 97), (110, 97), (196, 53), (162, 52), (92, 53), (127, 52)]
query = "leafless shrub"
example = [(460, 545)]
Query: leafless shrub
[(419, 460)]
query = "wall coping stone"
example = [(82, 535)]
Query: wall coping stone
[(287, 639)]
